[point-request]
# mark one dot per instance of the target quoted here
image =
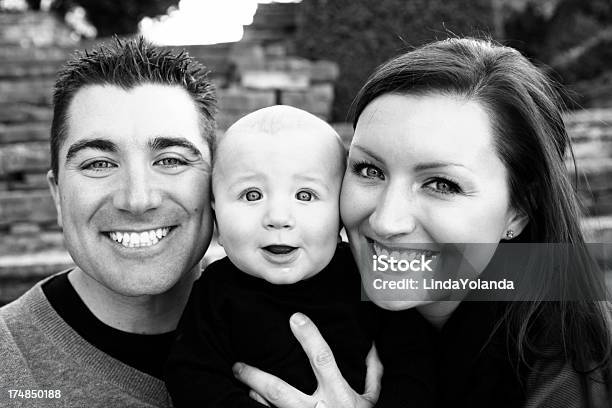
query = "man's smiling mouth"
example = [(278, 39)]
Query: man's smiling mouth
[(139, 239)]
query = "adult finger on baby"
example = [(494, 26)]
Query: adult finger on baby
[(374, 373), (254, 395), (316, 348), (272, 389)]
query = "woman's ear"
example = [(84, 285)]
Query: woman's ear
[(517, 221)]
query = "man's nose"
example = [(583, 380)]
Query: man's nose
[(137, 191), (279, 214), (395, 213)]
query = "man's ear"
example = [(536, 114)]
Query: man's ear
[(52, 181), (517, 221)]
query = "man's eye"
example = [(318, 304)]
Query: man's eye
[(99, 165), (304, 195), (171, 162), (253, 195)]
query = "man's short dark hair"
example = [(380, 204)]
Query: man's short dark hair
[(127, 64)]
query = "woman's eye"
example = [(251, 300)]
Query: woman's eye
[(252, 195), (367, 170), (170, 162), (443, 186), (304, 196)]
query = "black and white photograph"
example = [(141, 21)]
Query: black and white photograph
[(306, 203)]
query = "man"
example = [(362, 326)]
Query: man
[(130, 155)]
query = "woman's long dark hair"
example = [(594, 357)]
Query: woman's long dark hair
[(531, 140)]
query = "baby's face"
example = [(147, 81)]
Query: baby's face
[(276, 201)]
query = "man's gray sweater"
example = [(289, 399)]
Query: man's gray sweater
[(41, 355)]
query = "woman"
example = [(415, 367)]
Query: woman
[(462, 141)]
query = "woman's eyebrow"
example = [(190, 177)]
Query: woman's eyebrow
[(164, 142), (98, 144), (368, 152), (435, 165)]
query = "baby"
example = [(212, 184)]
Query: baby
[(276, 183)]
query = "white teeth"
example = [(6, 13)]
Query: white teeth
[(407, 255), (144, 237), (139, 239)]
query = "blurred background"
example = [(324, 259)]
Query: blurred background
[(313, 54)]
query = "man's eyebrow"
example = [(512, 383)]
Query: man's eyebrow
[(160, 143), (98, 144)]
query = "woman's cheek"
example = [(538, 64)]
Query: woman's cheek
[(353, 204)]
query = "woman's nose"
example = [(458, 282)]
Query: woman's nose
[(138, 193), (394, 216), (278, 215)]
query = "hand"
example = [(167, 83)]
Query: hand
[(332, 390)]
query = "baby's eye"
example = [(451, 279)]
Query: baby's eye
[(304, 195), (252, 195), (443, 186)]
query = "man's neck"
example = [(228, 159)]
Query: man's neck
[(150, 314)]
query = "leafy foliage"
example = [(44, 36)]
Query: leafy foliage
[(115, 16), (361, 34)]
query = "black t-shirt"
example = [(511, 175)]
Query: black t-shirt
[(232, 316), (146, 353), (470, 362)]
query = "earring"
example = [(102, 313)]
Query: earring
[(509, 234)]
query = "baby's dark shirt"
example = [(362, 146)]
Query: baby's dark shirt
[(232, 316)]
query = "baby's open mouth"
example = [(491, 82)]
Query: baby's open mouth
[(279, 249)]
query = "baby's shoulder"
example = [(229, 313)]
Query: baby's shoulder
[(219, 273)]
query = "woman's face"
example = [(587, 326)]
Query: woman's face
[(422, 173)]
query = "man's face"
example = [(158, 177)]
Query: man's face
[(133, 189)]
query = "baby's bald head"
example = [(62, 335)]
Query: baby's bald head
[(276, 182), (284, 122)]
